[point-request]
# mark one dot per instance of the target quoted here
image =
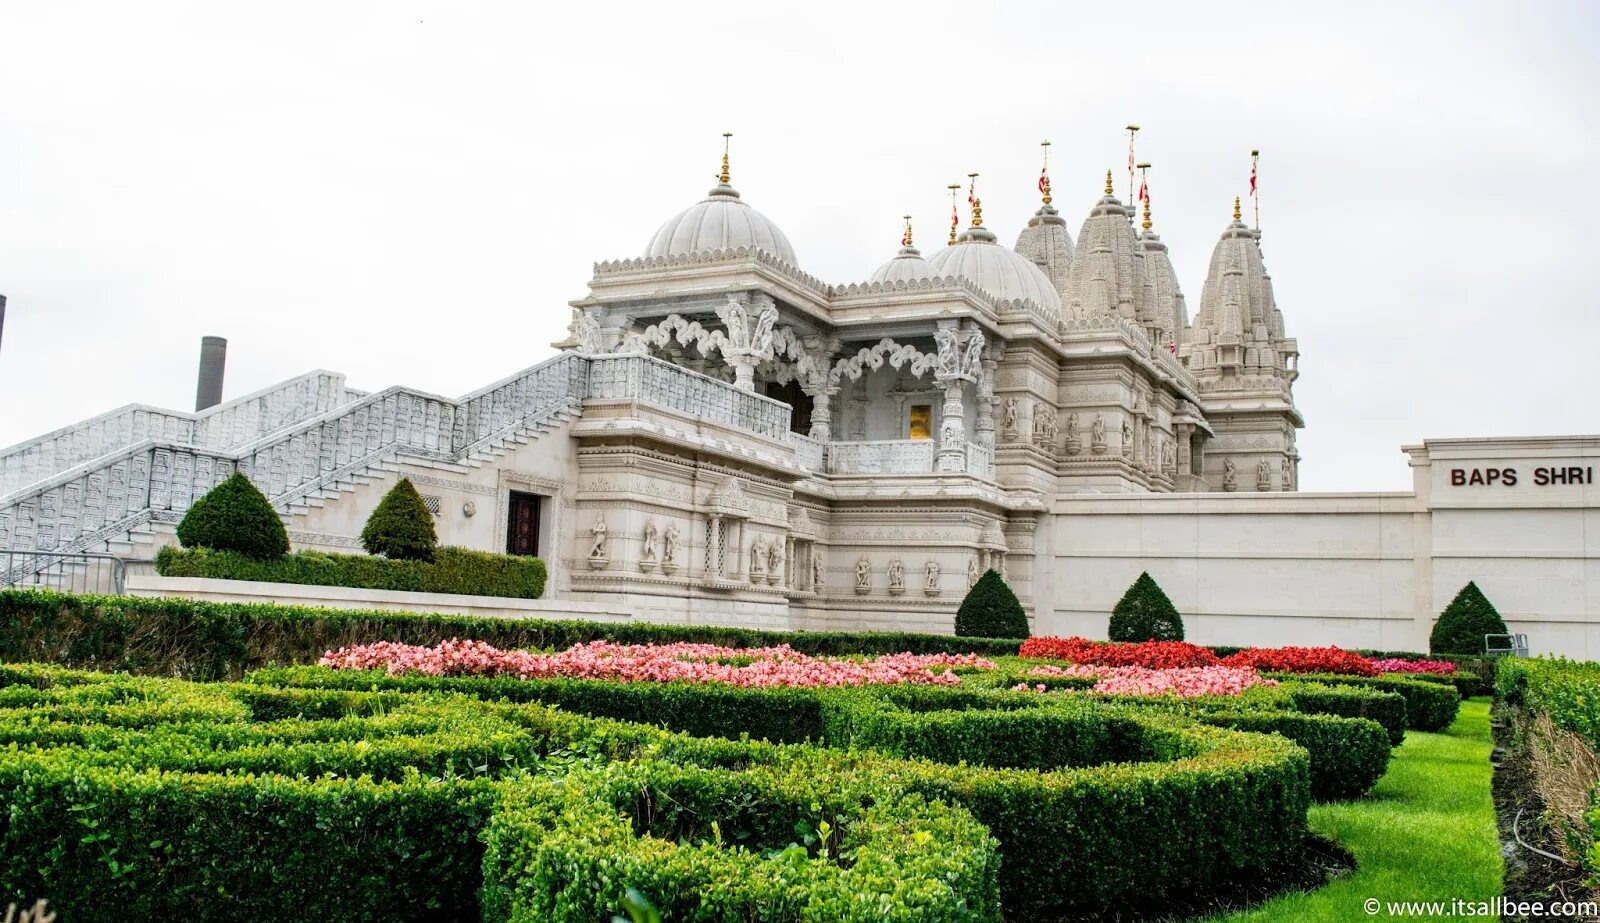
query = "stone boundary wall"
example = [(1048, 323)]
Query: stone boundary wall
[(1369, 570)]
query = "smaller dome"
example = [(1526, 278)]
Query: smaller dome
[(907, 266), (721, 221), (1001, 272)]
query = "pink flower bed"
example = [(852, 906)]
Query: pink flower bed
[(1397, 665), (764, 666), (1183, 682)]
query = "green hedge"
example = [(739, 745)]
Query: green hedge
[(1430, 706), (769, 843), (1169, 773), (210, 641), (451, 570), (1568, 693), (357, 805), (1351, 701)]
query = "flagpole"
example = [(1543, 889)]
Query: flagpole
[(1144, 193), (1255, 187), (955, 218), (1132, 130)]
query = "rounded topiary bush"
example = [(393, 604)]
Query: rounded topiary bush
[(1145, 614), (235, 516), (401, 527), (1462, 625), (991, 610)]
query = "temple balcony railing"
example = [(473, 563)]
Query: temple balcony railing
[(887, 456), (653, 381)]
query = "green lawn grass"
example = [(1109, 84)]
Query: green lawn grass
[(1425, 833)]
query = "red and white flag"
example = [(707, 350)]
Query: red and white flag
[(1144, 191), (1253, 156), (1044, 180)]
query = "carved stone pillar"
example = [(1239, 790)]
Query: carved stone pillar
[(744, 370), (984, 395), (1185, 435), (953, 429), (822, 413), (714, 550)]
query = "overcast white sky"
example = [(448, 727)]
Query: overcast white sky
[(410, 193)]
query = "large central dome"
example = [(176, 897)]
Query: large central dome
[(997, 270), (720, 222)]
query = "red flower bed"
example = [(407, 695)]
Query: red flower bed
[(1154, 655), (1304, 660)]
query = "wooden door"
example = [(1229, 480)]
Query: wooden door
[(522, 525)]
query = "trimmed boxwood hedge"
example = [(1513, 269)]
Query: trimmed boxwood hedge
[(392, 833), (1430, 706), (769, 843), (210, 641), (1175, 779), (449, 570)]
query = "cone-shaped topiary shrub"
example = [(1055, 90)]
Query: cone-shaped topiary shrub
[(401, 527), (235, 516), (1146, 614), (991, 610), (1462, 625)]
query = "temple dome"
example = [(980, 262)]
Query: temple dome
[(721, 221), (1001, 272), (907, 266)]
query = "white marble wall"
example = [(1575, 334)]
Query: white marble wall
[(1359, 570)]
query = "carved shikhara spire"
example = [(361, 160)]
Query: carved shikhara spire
[(724, 177)]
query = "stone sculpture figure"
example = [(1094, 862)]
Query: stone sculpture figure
[(669, 548), (817, 581), (897, 576), (774, 561), (1288, 473), (1127, 437), (598, 555), (863, 575), (1263, 475), (758, 558), (1229, 474), (1097, 434), (649, 553), (946, 340), (972, 572), (931, 577), (1008, 425)]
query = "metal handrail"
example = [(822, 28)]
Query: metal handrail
[(100, 572)]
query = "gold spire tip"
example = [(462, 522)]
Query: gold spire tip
[(727, 139), (1108, 182), (1236, 208), (905, 239), (1044, 174), (1146, 224)]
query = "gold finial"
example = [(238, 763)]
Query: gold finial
[(1236, 208), (1044, 174), (1108, 182), (974, 201), (723, 177), (955, 216), (1146, 223), (905, 239)]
